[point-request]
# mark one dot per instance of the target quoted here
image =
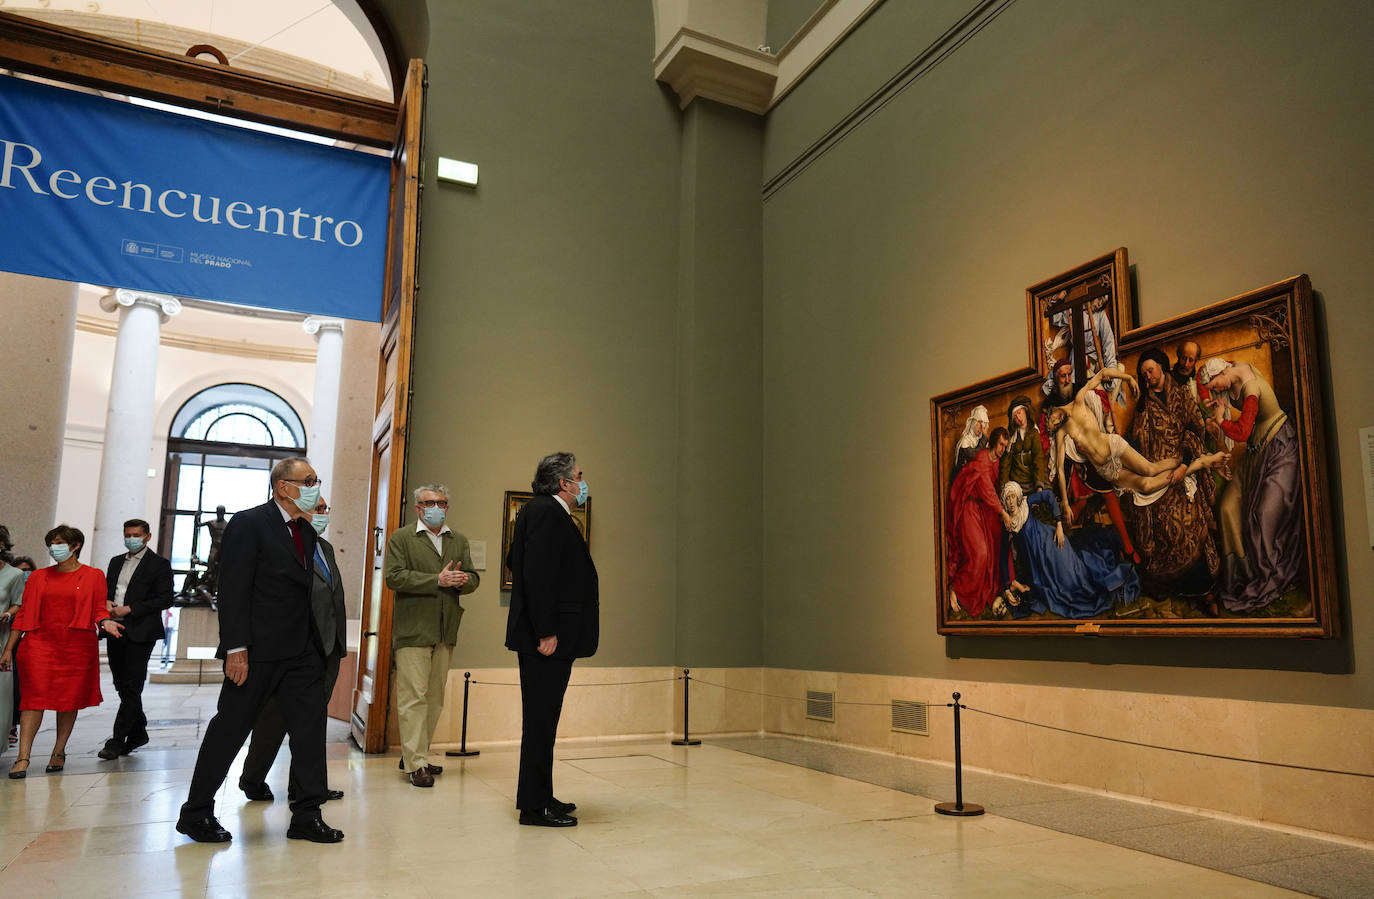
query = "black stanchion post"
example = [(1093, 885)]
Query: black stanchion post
[(957, 807), (463, 751), (686, 684)]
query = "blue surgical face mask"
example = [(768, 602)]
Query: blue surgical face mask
[(133, 544), (60, 552), (26, 573), (434, 516), (582, 492), (319, 522), (309, 498)]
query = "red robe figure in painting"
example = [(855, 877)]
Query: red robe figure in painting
[(973, 529)]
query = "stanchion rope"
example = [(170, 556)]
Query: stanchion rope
[(611, 683), (1210, 755)]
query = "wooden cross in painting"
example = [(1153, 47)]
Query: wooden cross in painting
[(1133, 480), (1077, 304)]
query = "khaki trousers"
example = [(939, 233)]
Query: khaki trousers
[(421, 673)]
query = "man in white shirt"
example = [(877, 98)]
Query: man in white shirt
[(139, 582)]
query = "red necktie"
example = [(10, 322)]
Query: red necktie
[(300, 541)]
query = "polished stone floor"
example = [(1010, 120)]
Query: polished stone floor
[(736, 816)]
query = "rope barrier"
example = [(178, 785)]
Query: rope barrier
[(686, 677), (1210, 755), (611, 683)]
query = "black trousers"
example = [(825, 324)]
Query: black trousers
[(296, 685), (129, 669), (543, 681), (270, 730)]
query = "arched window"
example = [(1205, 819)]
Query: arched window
[(223, 443)]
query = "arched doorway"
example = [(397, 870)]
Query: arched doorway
[(223, 442)]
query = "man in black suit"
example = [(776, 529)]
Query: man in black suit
[(331, 622), (554, 618), (271, 650), (139, 587)]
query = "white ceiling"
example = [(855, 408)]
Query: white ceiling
[(333, 33)]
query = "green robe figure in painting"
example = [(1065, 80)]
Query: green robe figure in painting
[(1024, 460)]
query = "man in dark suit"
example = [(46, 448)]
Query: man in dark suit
[(554, 618), (331, 622), (271, 650), (139, 585)]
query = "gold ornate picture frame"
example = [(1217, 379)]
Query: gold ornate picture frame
[(1238, 542)]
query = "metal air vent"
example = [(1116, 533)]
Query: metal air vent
[(910, 717), (820, 706)]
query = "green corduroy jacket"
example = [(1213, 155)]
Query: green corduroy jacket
[(425, 613)]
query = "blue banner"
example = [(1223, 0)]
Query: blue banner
[(115, 194)]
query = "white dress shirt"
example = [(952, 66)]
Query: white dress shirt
[(126, 573)]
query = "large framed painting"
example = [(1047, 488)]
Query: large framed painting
[(1160, 480), (511, 505)]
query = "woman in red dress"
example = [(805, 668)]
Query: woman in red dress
[(63, 607)]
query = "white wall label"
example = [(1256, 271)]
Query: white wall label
[(479, 554)]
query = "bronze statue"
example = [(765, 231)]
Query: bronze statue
[(216, 526)]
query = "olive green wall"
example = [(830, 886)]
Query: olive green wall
[(747, 384), (785, 17), (1225, 144), (595, 293), (720, 508)]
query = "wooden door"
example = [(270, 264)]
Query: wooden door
[(372, 688)]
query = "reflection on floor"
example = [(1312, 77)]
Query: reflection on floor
[(738, 816)]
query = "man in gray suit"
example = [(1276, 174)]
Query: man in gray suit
[(327, 605)]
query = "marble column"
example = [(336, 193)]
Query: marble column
[(36, 346), (324, 414), (124, 459)]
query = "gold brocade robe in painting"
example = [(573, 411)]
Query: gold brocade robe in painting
[(1174, 532)]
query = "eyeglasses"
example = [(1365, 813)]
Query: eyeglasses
[(305, 482), (431, 503)]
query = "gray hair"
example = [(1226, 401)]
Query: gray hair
[(284, 469), (431, 488), (551, 471)]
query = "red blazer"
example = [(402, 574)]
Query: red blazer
[(90, 587)]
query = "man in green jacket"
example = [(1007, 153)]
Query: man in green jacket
[(427, 566)]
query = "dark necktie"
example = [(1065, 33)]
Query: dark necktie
[(295, 525)]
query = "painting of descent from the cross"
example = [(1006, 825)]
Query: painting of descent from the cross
[(1133, 480)]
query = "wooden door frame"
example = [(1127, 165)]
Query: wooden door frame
[(75, 57)]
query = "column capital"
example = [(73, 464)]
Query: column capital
[(166, 306), (315, 326)]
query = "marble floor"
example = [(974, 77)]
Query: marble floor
[(719, 819)]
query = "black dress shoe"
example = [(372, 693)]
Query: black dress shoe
[(111, 750), (328, 795), (203, 830), (562, 807), (256, 792), (133, 743), (421, 777), (314, 830), (434, 770), (547, 817)]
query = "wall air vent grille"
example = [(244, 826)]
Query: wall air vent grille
[(820, 706), (910, 717)]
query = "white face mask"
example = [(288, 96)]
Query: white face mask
[(60, 552)]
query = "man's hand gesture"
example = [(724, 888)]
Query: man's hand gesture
[(452, 576)]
